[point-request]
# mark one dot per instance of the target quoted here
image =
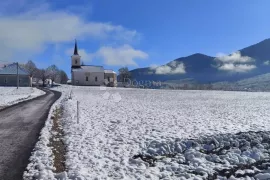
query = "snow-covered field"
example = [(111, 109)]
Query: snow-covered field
[(12, 95), (161, 134)]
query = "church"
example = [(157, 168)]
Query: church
[(89, 75)]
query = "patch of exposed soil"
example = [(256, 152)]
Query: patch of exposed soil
[(56, 142)]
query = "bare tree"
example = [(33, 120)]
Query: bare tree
[(31, 69), (52, 72), (42, 74), (124, 74), (63, 77), (38, 76)]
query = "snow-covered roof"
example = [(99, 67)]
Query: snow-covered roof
[(90, 69), (109, 71), (12, 69), (2, 66)]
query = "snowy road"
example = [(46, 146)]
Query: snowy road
[(20, 126)]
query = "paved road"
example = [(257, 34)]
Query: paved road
[(20, 126)]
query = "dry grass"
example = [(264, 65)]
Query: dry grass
[(56, 142)]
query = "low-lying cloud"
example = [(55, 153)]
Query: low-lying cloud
[(235, 62), (172, 68), (237, 67), (235, 57)]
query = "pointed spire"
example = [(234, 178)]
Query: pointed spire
[(76, 48)]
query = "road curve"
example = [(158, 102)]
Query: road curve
[(20, 126)]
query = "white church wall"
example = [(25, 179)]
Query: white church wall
[(80, 78)]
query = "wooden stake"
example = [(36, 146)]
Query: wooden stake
[(78, 112)]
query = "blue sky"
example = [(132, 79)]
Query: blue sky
[(128, 33)]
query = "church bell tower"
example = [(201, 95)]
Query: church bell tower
[(75, 58)]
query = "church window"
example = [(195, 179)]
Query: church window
[(86, 78), (76, 62), (96, 79)]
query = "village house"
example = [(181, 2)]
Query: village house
[(110, 77), (89, 75), (8, 75)]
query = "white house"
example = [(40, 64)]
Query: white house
[(89, 75)]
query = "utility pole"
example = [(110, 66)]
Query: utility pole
[(17, 75)]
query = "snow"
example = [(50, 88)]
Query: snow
[(12, 95), (41, 160), (177, 128)]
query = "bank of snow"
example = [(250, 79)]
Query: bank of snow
[(12, 95)]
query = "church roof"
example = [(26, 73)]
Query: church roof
[(75, 48), (89, 69)]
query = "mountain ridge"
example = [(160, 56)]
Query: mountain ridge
[(204, 68)]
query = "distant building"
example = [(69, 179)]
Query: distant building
[(110, 78), (69, 81), (89, 75), (8, 75)]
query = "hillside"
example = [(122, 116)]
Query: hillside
[(256, 83), (249, 62)]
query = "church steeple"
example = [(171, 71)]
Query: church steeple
[(75, 58), (76, 48)]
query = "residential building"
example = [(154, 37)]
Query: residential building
[(110, 78), (8, 75)]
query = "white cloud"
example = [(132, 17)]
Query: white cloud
[(163, 70), (153, 66), (266, 63), (30, 30), (237, 67), (235, 62), (120, 56), (235, 57), (174, 68)]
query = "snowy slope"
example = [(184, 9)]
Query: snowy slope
[(117, 124), (12, 95)]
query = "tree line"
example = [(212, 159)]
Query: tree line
[(52, 72)]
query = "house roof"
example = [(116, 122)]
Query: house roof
[(89, 69), (12, 69), (2, 66), (109, 71)]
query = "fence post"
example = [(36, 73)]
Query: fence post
[(78, 112), (70, 95)]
